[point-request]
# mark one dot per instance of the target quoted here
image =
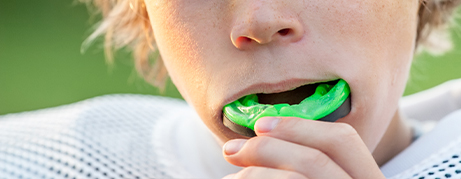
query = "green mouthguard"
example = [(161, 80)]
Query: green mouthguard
[(326, 99)]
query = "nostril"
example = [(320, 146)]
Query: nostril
[(242, 42), (284, 32), (244, 39)]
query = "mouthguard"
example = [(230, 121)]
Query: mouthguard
[(328, 103)]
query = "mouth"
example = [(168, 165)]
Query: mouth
[(325, 101), (291, 97)]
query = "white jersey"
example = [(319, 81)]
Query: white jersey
[(140, 136), (437, 153), (114, 136)]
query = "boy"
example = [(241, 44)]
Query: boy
[(219, 51)]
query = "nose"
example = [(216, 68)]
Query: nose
[(263, 23)]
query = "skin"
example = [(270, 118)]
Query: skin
[(217, 51)]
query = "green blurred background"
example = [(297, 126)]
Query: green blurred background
[(41, 65)]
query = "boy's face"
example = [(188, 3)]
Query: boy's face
[(217, 51)]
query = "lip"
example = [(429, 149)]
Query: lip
[(277, 87)]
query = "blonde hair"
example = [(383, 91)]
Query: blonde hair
[(434, 20), (125, 23)]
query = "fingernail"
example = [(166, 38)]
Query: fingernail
[(229, 176), (233, 146), (266, 124)]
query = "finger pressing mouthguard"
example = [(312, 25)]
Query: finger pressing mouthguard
[(328, 103)]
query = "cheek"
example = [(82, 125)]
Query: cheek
[(174, 38), (376, 40), (374, 26), (185, 31)]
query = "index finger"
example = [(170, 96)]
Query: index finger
[(339, 141)]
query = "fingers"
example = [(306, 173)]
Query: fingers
[(339, 141), (266, 173), (278, 154)]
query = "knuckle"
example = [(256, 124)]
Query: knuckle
[(315, 158), (345, 129), (320, 159), (346, 133)]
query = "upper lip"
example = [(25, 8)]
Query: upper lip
[(276, 87)]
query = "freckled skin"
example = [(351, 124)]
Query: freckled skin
[(368, 43)]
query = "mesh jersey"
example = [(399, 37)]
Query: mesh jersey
[(444, 164), (117, 136), (137, 136), (436, 154)]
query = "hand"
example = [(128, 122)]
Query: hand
[(305, 149)]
